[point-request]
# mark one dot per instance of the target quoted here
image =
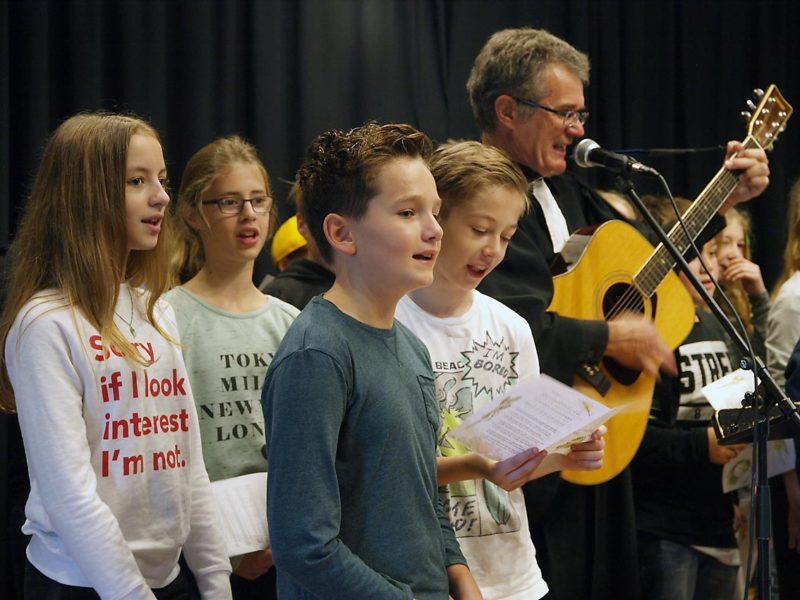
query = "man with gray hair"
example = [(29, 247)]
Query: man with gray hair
[(526, 92)]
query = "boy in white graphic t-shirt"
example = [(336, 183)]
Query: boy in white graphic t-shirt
[(478, 348)]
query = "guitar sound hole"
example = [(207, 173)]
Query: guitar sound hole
[(620, 298)]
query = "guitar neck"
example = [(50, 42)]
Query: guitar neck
[(696, 218)]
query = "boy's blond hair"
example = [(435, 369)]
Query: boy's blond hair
[(463, 169)]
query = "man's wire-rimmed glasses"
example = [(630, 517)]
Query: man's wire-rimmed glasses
[(571, 117)]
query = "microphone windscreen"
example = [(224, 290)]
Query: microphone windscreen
[(582, 150)]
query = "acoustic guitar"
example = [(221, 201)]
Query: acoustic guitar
[(618, 272)]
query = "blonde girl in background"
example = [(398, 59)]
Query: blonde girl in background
[(742, 282), (118, 485), (783, 333), (783, 326)]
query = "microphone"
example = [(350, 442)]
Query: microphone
[(588, 153)]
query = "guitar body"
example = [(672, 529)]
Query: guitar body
[(619, 271), (599, 285)]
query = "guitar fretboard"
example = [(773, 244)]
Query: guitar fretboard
[(699, 214)]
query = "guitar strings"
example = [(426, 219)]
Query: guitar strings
[(632, 299)]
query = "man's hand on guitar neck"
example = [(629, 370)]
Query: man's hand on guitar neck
[(753, 169), (634, 342)]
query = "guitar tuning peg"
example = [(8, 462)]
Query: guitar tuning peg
[(746, 116), (758, 93), (751, 105)]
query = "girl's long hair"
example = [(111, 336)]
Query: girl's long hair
[(734, 289), (72, 237)]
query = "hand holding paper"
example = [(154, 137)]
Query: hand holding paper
[(514, 471), (583, 456), (538, 412)]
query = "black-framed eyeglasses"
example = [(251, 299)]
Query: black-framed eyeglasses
[(234, 206), (571, 117)]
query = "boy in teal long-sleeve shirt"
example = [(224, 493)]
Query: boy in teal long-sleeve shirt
[(349, 404)]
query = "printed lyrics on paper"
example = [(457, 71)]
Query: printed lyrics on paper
[(538, 412)]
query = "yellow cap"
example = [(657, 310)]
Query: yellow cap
[(286, 240)]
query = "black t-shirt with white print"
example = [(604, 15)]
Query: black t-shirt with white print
[(677, 491)]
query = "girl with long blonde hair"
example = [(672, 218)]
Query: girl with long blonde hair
[(783, 330), (742, 282), (783, 333), (229, 329), (91, 366)]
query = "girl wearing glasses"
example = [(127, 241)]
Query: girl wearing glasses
[(229, 329), (118, 485)]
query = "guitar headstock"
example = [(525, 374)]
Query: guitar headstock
[(768, 119)]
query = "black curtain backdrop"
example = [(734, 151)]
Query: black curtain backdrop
[(664, 74)]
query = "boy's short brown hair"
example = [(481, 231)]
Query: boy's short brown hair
[(340, 169)]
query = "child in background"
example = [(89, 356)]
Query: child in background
[(229, 329), (118, 485), (304, 277), (687, 547), (349, 402), (783, 333), (783, 322), (741, 280), (483, 197), (288, 244)]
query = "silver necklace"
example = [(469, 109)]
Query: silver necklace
[(128, 322)]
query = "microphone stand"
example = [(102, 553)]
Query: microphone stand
[(766, 394)]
